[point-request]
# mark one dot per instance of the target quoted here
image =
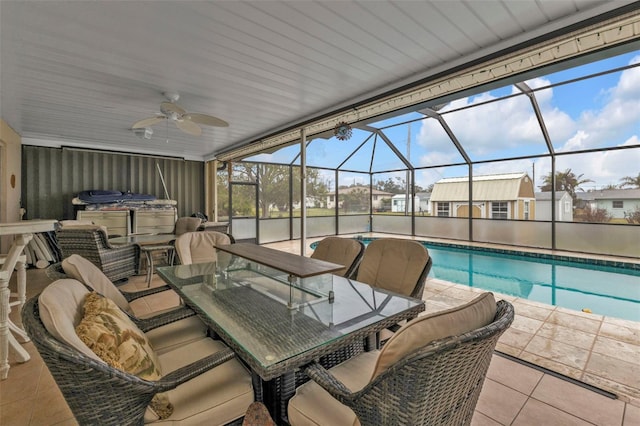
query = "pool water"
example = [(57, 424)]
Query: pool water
[(602, 289)]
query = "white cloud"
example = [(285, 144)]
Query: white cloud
[(510, 124)]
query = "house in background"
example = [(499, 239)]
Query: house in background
[(564, 206), (617, 202), (502, 196), (376, 196), (421, 203)]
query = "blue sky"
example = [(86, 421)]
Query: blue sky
[(593, 113)]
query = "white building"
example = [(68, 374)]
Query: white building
[(564, 206)]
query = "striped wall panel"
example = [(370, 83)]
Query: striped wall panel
[(51, 177)]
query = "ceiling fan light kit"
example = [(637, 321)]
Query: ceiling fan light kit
[(187, 122), (143, 132)]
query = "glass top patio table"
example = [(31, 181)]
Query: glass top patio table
[(249, 305)]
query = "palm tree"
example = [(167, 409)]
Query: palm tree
[(565, 181), (630, 181)]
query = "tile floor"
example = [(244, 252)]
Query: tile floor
[(597, 350)]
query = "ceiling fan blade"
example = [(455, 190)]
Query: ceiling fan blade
[(148, 122), (207, 120), (189, 127), (169, 107)]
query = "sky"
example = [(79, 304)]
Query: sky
[(599, 112)]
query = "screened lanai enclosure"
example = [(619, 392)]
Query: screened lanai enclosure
[(544, 159)]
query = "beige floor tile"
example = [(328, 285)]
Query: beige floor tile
[(550, 364), (624, 393), (617, 349), (516, 338), (500, 402), (614, 369), (568, 335), (572, 320), (538, 413), (634, 325), (480, 419), (509, 350), (620, 332), (631, 416), (569, 355), (532, 311), (14, 413), (52, 408), (513, 374), (580, 402), (528, 325)]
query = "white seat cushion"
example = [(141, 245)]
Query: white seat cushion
[(218, 396), (312, 405)]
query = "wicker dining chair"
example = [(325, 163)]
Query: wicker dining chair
[(92, 243), (343, 251), (397, 265), (199, 247), (430, 373), (202, 380), (167, 327)]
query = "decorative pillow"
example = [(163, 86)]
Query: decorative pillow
[(423, 330), (108, 332)]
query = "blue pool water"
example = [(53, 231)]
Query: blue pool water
[(602, 288)]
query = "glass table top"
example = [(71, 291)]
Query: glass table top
[(266, 314)]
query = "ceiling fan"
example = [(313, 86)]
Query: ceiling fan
[(188, 122)]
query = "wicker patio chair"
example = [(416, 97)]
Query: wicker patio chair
[(421, 377), (55, 271), (201, 379), (343, 251), (165, 328), (92, 243), (199, 247), (397, 265)]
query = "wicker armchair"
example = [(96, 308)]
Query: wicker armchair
[(100, 394), (343, 251), (91, 242), (166, 328), (436, 383)]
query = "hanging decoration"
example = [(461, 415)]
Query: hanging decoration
[(342, 131)]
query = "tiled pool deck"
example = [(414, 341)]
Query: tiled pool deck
[(597, 350)]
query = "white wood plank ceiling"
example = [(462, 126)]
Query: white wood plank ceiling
[(81, 73)]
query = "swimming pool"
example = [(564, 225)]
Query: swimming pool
[(604, 288)]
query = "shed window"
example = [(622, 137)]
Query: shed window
[(618, 204), (499, 210), (443, 209)]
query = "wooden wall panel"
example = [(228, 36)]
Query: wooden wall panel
[(51, 177)]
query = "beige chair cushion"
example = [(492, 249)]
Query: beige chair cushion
[(86, 272), (218, 396), (423, 330), (199, 247), (393, 264), (342, 251), (60, 307), (177, 333), (312, 405), (187, 224)]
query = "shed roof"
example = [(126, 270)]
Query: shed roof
[(501, 187)]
